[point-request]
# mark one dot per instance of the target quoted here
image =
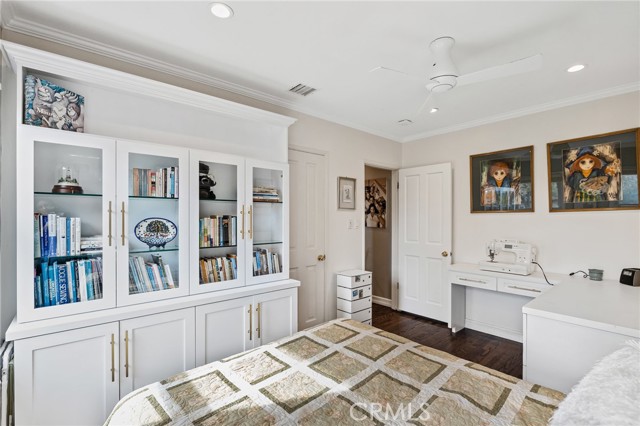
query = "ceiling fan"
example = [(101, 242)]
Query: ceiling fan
[(444, 74)]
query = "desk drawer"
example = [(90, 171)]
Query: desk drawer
[(523, 288), (472, 280), (352, 281), (362, 316)]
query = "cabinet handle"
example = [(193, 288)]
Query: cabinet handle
[(242, 223), (250, 231), (122, 211), (110, 233), (472, 281), (524, 288), (113, 358), (126, 353), (250, 311), (258, 309)]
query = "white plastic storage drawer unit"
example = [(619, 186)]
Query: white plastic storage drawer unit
[(354, 295)]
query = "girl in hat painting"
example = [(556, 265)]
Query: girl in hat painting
[(588, 177)]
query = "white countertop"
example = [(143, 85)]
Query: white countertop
[(605, 305)]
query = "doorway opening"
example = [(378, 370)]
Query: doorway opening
[(378, 232)]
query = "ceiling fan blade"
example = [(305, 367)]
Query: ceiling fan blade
[(386, 69), (424, 104), (519, 66)]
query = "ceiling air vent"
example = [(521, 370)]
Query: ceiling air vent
[(405, 122), (302, 89)]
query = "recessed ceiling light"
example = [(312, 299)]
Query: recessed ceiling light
[(221, 10), (405, 122), (434, 110), (575, 68)]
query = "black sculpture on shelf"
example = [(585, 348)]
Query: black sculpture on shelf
[(207, 182)]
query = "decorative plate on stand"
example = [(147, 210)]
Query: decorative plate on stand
[(155, 231)]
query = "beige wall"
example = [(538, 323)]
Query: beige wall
[(377, 247), (567, 241)]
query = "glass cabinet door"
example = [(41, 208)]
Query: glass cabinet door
[(217, 221), (152, 213), (65, 203), (267, 219)]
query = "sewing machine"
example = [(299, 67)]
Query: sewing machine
[(509, 256)]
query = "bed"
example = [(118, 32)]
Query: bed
[(339, 373)]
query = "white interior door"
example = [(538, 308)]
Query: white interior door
[(424, 240), (307, 230)]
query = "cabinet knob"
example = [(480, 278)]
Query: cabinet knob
[(321, 257), (444, 253)]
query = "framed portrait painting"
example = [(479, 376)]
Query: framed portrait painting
[(346, 193), (598, 172), (502, 181)]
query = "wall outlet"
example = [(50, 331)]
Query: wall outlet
[(350, 224)]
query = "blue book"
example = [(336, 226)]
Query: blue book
[(37, 290), (98, 268), (71, 282), (89, 274), (62, 281), (151, 277), (44, 235), (53, 297), (46, 301), (68, 248)]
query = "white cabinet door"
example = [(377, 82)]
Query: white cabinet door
[(276, 315), (152, 232), (155, 347), (424, 240), (223, 329), (267, 221), (67, 378)]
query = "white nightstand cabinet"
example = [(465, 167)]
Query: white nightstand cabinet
[(354, 295)]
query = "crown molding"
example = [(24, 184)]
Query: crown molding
[(593, 96)]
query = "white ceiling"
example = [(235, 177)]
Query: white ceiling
[(268, 47)]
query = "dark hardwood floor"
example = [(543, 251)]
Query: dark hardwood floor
[(491, 351)]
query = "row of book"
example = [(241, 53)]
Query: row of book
[(265, 194), (216, 269), (55, 235), (266, 262), (67, 282), (162, 183), (216, 231), (149, 276)]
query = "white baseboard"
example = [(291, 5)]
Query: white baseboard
[(381, 301), (489, 329)]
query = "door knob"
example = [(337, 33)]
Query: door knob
[(321, 257), (444, 254)]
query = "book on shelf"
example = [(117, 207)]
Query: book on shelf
[(218, 231), (162, 183), (266, 262), (59, 283), (147, 276), (265, 194), (217, 269), (56, 235)]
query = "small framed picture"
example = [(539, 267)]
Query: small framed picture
[(597, 172), (346, 193), (502, 181)]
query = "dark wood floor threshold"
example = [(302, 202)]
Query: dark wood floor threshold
[(494, 352)]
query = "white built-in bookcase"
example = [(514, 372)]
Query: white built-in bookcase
[(132, 123)]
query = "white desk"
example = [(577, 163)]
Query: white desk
[(569, 328), (505, 293)]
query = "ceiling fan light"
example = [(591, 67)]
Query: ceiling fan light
[(221, 10), (576, 68)]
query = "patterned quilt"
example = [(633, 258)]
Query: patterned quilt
[(339, 373)]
